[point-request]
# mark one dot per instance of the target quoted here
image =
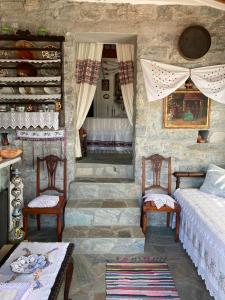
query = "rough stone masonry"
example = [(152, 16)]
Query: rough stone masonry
[(157, 29)]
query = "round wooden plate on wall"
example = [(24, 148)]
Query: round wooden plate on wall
[(194, 42)]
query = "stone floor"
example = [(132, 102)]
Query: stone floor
[(88, 278)]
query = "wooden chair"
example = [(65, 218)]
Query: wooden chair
[(51, 162), (156, 162)]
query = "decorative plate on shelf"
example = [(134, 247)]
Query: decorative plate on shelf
[(51, 89), (49, 71), (3, 72), (25, 90), (36, 90), (6, 90), (4, 54), (24, 54), (26, 69), (50, 52)]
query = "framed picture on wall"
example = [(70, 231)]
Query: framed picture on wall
[(187, 109)]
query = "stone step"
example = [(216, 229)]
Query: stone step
[(96, 170), (102, 212), (102, 188), (108, 239)]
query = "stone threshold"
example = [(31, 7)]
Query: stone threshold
[(103, 232), (102, 203), (103, 180)]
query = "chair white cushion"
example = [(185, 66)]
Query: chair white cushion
[(44, 201), (159, 199)]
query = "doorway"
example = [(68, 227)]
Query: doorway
[(107, 132)]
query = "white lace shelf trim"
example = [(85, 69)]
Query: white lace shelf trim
[(30, 97), (29, 119), (35, 61), (30, 79)]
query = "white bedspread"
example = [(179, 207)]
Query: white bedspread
[(202, 233)]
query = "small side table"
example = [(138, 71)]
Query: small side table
[(151, 207)]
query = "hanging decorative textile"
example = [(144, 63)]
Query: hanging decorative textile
[(44, 136), (88, 64), (210, 81), (162, 79), (125, 56)]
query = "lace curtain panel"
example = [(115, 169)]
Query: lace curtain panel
[(125, 56), (29, 119), (162, 79), (88, 63)]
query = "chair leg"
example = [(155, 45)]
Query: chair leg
[(25, 225), (168, 219), (177, 227), (59, 228), (38, 222), (144, 222)]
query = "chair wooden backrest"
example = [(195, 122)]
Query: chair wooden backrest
[(156, 161), (51, 162)]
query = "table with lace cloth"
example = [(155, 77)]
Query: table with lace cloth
[(46, 282)]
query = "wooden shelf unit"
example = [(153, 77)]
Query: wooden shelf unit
[(11, 59)]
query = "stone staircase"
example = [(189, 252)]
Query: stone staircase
[(102, 214)]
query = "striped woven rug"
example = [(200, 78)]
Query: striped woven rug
[(139, 281)]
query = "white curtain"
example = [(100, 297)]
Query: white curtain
[(162, 79), (125, 56), (88, 63)]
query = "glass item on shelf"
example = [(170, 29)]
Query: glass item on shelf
[(29, 108), (58, 106), (26, 69), (6, 29), (42, 30), (50, 52), (3, 107), (24, 54), (20, 108)]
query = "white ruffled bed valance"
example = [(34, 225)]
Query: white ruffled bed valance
[(162, 79)]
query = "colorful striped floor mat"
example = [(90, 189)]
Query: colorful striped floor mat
[(139, 281)]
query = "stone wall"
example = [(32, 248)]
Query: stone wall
[(157, 29)]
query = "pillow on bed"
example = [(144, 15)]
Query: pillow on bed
[(214, 182)]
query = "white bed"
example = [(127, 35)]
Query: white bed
[(108, 134), (202, 233)]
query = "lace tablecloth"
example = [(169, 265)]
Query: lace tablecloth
[(29, 119), (202, 233), (108, 134)]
